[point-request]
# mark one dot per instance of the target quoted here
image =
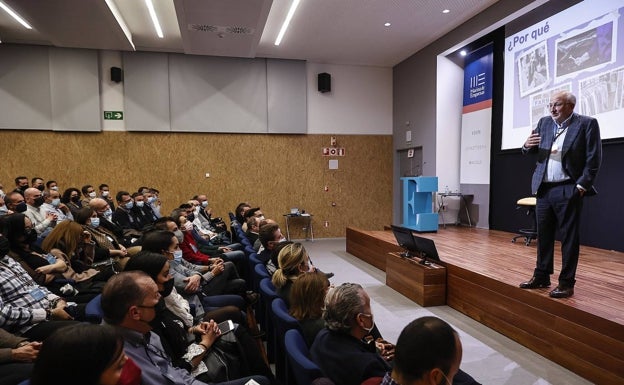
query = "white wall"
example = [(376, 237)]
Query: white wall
[(360, 101), (111, 93)]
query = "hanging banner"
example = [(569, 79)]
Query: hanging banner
[(477, 117)]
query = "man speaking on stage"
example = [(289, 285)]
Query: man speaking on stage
[(569, 153)]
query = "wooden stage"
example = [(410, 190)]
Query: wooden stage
[(584, 333)]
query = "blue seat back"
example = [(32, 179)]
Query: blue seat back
[(303, 368)]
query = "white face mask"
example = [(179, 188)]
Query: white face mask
[(2, 194), (368, 330), (177, 255), (92, 194), (204, 204), (105, 193), (55, 188), (140, 204)]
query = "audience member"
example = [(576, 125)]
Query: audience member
[(88, 192), (105, 194), (71, 197), (270, 236), (21, 184), (26, 308), (4, 210), (122, 216), (168, 325), (52, 204), (104, 212), (16, 357), (428, 351), (340, 349), (15, 202), (253, 227), (37, 183), (141, 212), (293, 262), (129, 302), (240, 211), (307, 297), (85, 354), (42, 221), (52, 185), (106, 246)]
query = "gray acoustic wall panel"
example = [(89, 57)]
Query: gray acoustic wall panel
[(24, 88), (146, 91), (74, 89), (215, 94), (287, 96)]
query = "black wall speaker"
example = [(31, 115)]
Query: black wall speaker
[(324, 82), (116, 74)]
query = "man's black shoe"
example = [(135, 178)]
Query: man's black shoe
[(535, 283), (562, 292)]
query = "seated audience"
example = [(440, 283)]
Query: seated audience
[(69, 243), (26, 308), (105, 213), (293, 262), (88, 192), (106, 246), (141, 212), (123, 215), (106, 195), (42, 221), (307, 296), (37, 183), (16, 357), (71, 197), (240, 211), (428, 351), (340, 349), (129, 301), (21, 184), (169, 323), (270, 236), (53, 204), (15, 202), (253, 227), (4, 210), (85, 354)]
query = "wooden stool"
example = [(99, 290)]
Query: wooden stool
[(528, 234)]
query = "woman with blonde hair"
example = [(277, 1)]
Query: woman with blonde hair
[(307, 298), (293, 261)]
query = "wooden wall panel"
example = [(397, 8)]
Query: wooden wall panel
[(275, 172)]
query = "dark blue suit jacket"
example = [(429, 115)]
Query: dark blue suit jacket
[(581, 152)]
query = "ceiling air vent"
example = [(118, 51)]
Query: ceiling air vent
[(221, 30)]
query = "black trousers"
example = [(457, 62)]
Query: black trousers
[(558, 210)]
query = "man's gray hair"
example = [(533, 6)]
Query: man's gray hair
[(342, 304)]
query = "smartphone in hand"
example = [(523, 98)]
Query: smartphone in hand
[(226, 326)]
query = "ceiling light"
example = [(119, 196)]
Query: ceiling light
[(446, 11), (463, 52), (14, 15), (152, 12), (289, 16), (387, 24), (124, 27)]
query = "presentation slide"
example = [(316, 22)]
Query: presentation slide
[(576, 50)]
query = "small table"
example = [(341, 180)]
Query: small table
[(307, 218), (454, 194)]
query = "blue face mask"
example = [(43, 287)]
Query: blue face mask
[(129, 205), (56, 202), (3, 210), (140, 204), (95, 222), (204, 204), (177, 255), (108, 213)]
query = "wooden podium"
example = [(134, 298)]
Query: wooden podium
[(423, 284)]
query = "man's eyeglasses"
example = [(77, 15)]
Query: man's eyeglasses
[(557, 105)]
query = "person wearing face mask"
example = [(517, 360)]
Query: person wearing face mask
[(106, 195), (52, 185), (340, 349), (142, 212), (21, 184), (123, 216), (52, 204), (88, 192), (176, 326), (107, 250), (43, 221), (107, 363), (37, 183), (15, 202), (71, 197), (130, 302), (105, 214)]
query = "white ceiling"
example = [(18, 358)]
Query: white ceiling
[(324, 31)]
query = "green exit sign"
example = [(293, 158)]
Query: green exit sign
[(113, 115)]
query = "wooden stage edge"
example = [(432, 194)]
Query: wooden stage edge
[(584, 333)]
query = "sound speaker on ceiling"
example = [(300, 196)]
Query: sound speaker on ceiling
[(116, 74), (324, 82)]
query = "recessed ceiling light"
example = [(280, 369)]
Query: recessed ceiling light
[(387, 24), (446, 11), (289, 16), (463, 52), (152, 13)]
